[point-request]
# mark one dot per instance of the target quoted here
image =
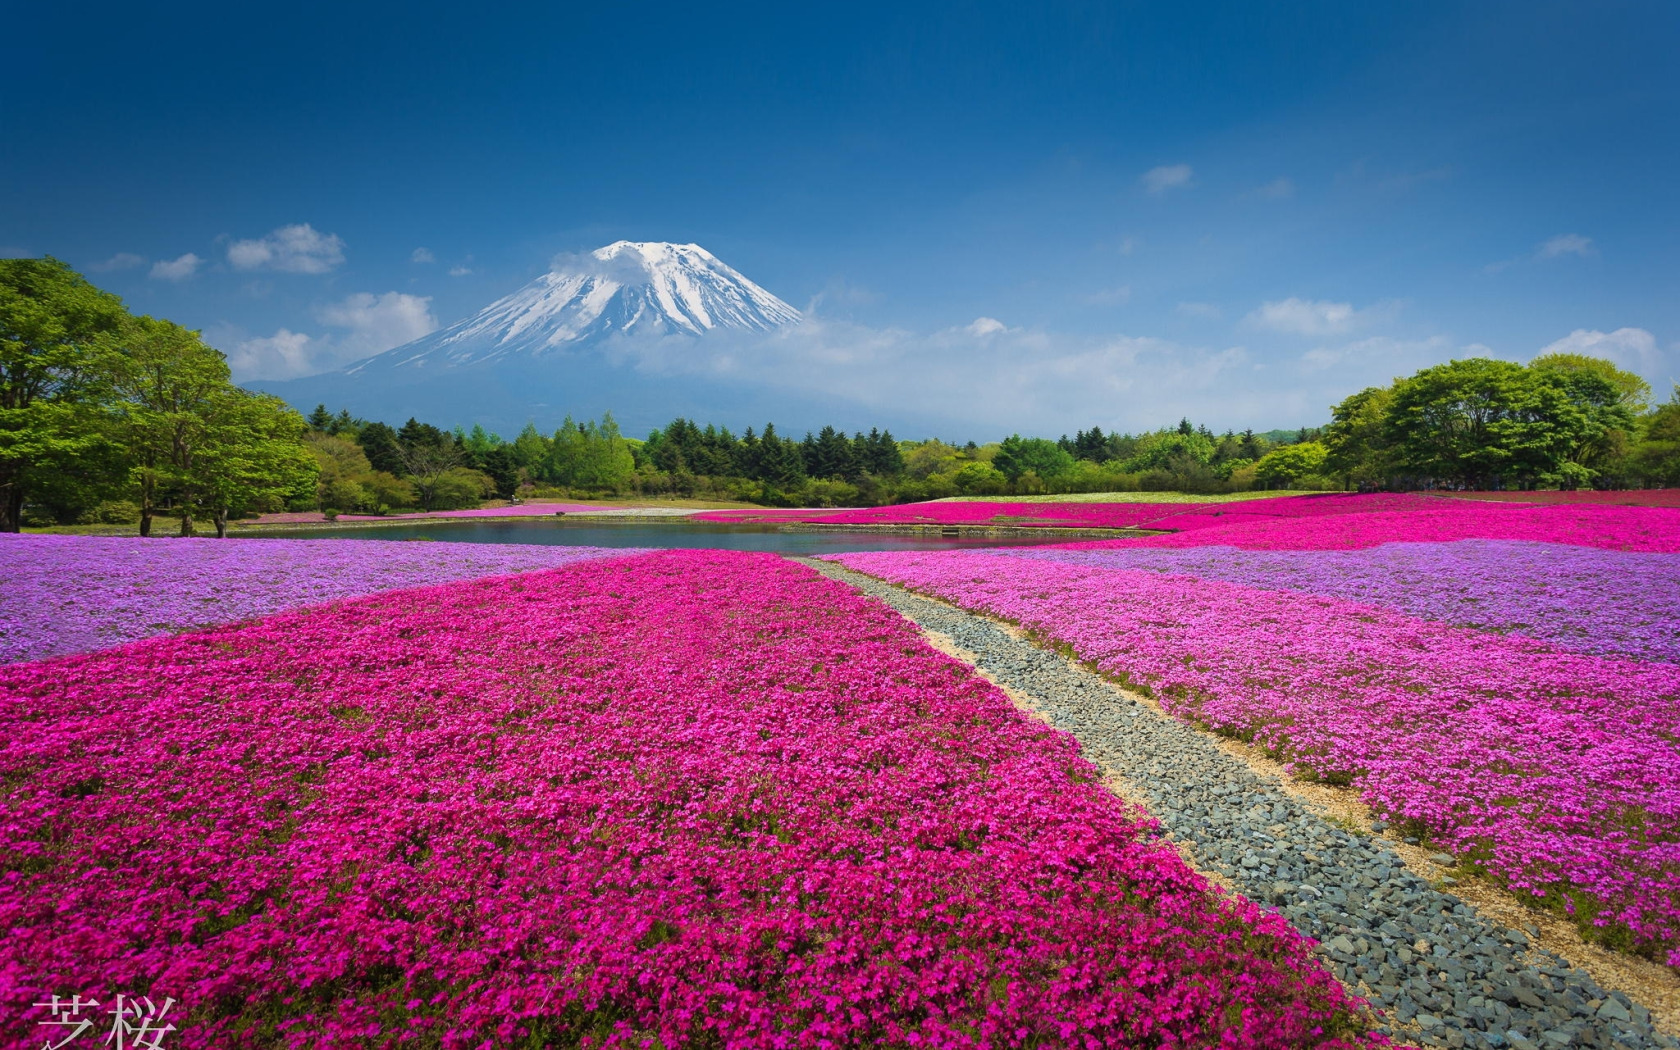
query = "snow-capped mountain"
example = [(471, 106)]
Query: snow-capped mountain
[(628, 288), (606, 330)]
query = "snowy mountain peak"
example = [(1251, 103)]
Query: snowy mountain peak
[(624, 288)]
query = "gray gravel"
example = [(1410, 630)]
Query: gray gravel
[(1442, 974)]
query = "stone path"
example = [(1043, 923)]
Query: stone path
[(1442, 974)]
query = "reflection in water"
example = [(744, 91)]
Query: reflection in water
[(657, 533)]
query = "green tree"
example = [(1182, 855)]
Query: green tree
[(979, 479), (1044, 458), (1479, 421), (57, 359), (170, 384), (1656, 458), (1631, 391), (1166, 450), (1357, 440), (1607, 398), (383, 450), (1289, 465), (591, 455), (252, 457)]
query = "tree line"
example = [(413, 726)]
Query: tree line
[(1561, 421), (109, 416)]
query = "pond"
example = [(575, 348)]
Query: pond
[(656, 532)]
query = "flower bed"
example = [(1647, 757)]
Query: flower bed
[(1651, 529), (70, 594), (687, 796), (1618, 497), (1612, 603), (1558, 773)]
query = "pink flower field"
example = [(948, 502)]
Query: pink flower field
[(1557, 772), (1320, 522), (673, 798)]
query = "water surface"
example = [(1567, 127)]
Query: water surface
[(657, 533)]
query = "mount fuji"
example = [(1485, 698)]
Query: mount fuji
[(625, 289), (579, 340)]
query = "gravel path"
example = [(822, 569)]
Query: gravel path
[(1443, 974)]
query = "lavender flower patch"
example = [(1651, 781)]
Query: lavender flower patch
[(72, 594), (1606, 603)]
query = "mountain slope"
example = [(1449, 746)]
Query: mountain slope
[(569, 343), (625, 289)]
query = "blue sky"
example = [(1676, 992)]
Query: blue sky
[(1277, 206)]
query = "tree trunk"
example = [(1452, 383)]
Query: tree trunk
[(221, 523), (11, 507), (186, 522), (145, 506)]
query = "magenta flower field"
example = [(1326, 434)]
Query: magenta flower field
[(1556, 771), (1319, 522), (71, 594), (651, 800)]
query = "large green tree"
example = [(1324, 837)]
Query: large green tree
[(1017, 455), (590, 454), (252, 457), (170, 385), (1356, 442), (57, 358), (1480, 421)]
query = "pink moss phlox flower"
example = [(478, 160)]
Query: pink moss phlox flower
[(1332, 521), (1558, 772), (691, 796)]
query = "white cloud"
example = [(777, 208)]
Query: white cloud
[(1551, 248), (119, 261), (1566, 244), (1631, 348), (1116, 296), (982, 374), (299, 248), (1200, 310), (366, 324), (422, 255), (1277, 189), (1128, 245), (12, 251), (283, 355), (176, 269), (1294, 316), (1166, 177), (374, 323), (459, 271)]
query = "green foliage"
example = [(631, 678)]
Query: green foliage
[(589, 455), (101, 411), (58, 355), (1045, 459), (1482, 423), (1290, 465), (980, 479)]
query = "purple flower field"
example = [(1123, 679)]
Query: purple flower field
[(1607, 603), (73, 594)]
